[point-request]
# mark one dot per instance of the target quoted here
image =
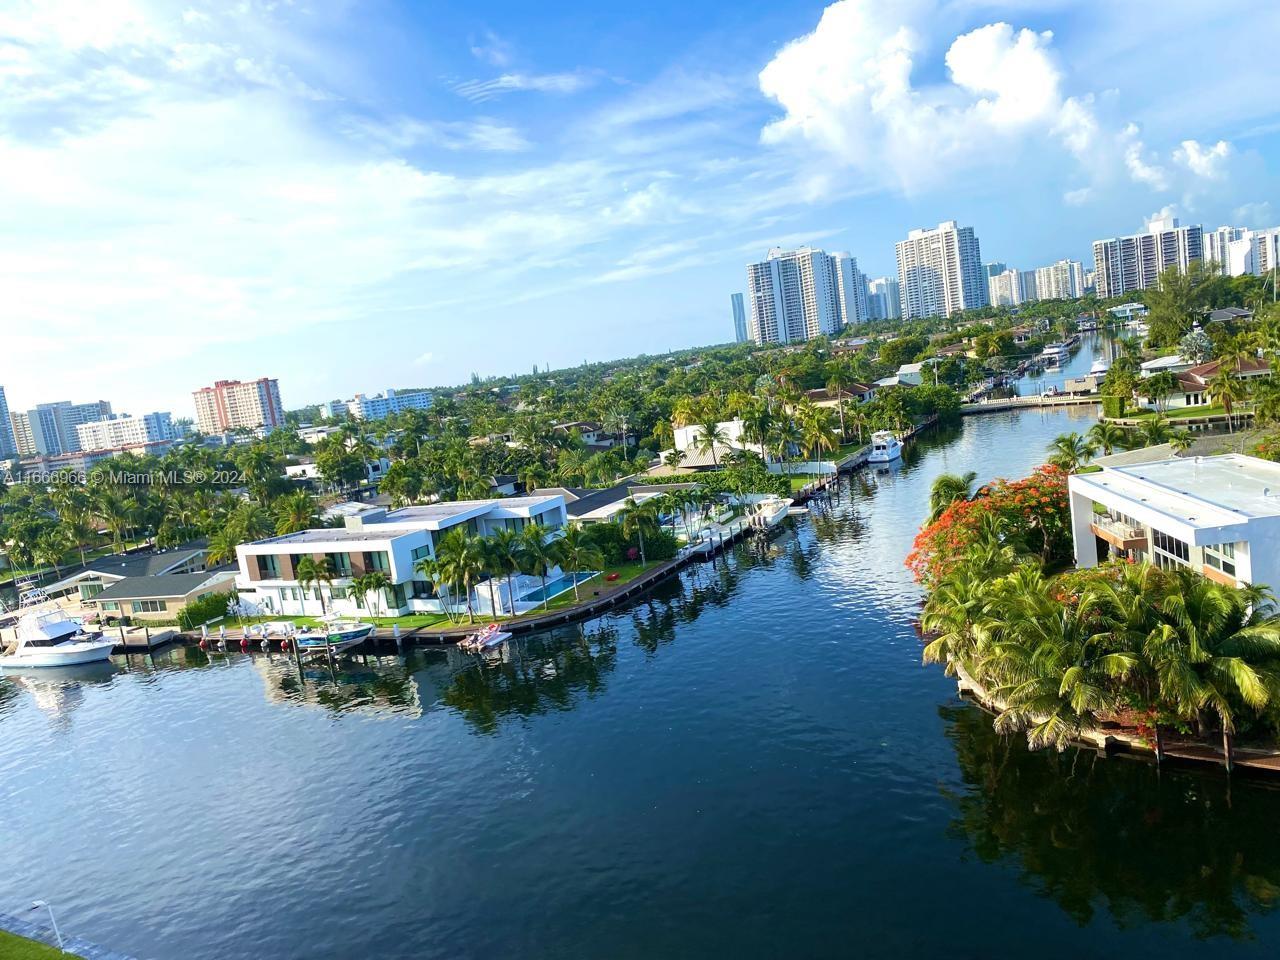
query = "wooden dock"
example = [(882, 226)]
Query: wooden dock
[(1023, 403)]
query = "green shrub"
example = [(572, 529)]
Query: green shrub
[(1113, 406), (203, 610)]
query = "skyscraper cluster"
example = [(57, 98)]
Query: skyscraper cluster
[(796, 295)]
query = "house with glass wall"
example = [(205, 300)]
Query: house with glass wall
[(390, 542), (1219, 516)]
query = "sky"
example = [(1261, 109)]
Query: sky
[(354, 196)]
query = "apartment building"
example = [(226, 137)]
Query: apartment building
[(49, 429), (379, 406), (883, 299), (234, 405), (123, 432), (793, 296), (739, 318), (8, 445), (1219, 516), (1063, 280), (1005, 289), (1124, 264), (940, 271)]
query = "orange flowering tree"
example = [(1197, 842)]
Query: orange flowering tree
[(1032, 515)]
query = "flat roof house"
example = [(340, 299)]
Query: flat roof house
[(1217, 515), (389, 542)]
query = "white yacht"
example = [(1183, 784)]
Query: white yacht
[(1054, 354), (51, 640), (1100, 367), (885, 447), (335, 635)]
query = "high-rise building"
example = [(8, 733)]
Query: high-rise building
[(1005, 289), (739, 318), (1124, 264), (1216, 249), (851, 289), (121, 432), (793, 295), (883, 301), (1063, 280), (231, 405), (49, 429), (940, 271), (995, 268), (1264, 251), (382, 405), (8, 446)]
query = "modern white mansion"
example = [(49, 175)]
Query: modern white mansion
[(392, 543), (1219, 516)]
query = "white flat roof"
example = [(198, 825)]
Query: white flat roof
[(1159, 363), (1198, 491)]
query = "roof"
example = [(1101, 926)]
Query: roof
[(1125, 458), (1230, 313), (910, 368), (1161, 363), (1197, 491), (1244, 366), (165, 587), (695, 458), (136, 564)]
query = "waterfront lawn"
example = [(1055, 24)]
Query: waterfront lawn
[(800, 480), (13, 947), (1178, 413), (626, 573)]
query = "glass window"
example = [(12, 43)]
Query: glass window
[(1169, 548), (269, 567), (377, 561), (341, 564), (111, 606), (1222, 557), (148, 606)]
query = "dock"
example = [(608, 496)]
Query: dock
[(1022, 403)]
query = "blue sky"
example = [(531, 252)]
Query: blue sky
[(351, 196)]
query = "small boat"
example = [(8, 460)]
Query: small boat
[(490, 636), (333, 636), (885, 447), (52, 640)]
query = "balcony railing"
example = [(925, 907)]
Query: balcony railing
[(1119, 533)]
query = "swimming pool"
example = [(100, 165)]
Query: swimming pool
[(558, 586)]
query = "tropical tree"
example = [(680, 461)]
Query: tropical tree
[(536, 556), (1107, 436), (504, 548), (575, 551), (1227, 389), (1154, 430), (296, 512), (637, 519), (710, 435), (946, 489), (317, 572), (461, 558), (434, 571), (1070, 451)]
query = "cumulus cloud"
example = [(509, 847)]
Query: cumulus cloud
[(1254, 214), (1203, 161), (423, 359), (1137, 162), (847, 89)]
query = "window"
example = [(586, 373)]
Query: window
[(111, 606), (1169, 551), (422, 590), (1221, 556), (377, 561), (338, 593), (341, 564), (148, 606), (269, 567)]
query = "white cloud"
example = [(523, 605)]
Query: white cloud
[(1254, 214), (1078, 197), (480, 91), (846, 89), (1207, 162), (1140, 168), (493, 50)]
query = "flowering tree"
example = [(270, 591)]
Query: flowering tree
[(1030, 516)]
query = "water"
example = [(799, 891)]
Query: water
[(1092, 346), (749, 763), (558, 586)]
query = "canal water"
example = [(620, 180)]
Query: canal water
[(750, 762)]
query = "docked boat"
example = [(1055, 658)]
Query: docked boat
[(333, 636), (51, 639), (1100, 367), (1054, 354), (485, 639), (885, 447)]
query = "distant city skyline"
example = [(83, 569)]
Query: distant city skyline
[(398, 195)]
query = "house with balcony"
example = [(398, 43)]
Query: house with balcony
[(1219, 516), (392, 542)]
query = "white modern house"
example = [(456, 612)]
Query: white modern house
[(1219, 516), (392, 542)]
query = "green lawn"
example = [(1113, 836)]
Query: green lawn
[(800, 480), (1179, 413), (20, 948)]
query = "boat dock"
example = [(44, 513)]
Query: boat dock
[(1021, 403)]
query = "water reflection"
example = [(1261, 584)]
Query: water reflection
[(1118, 837), (56, 691)]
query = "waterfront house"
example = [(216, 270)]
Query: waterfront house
[(159, 597), (1217, 515), (586, 505), (102, 572), (1173, 364), (910, 374), (853, 393), (1192, 388), (389, 542)]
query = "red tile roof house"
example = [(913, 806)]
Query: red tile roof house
[(1193, 384)]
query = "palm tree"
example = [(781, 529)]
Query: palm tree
[(1227, 389), (710, 433), (1070, 451), (1155, 430), (674, 458), (296, 512), (786, 435), (1107, 436), (757, 425), (947, 488), (1181, 440), (505, 555), (816, 429), (575, 551), (537, 558), (314, 571), (373, 583), (461, 557), (839, 379), (637, 519), (434, 570)]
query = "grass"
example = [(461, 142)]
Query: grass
[(13, 947), (1178, 413)]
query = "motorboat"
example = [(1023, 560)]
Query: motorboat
[(51, 639), (484, 639), (334, 635), (1054, 354), (885, 447), (1100, 367)]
